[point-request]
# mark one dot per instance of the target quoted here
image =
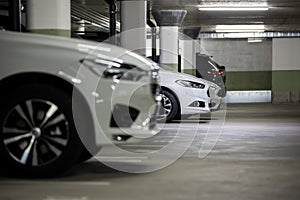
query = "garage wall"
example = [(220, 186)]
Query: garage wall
[(286, 70), (273, 64), (249, 65)]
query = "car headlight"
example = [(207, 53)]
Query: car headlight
[(190, 84), (213, 88), (114, 70), (124, 72)]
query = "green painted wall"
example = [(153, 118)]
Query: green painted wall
[(281, 81), (286, 80), (57, 32), (189, 71), (171, 66), (245, 80), (249, 80)]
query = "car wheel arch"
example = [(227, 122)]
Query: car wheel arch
[(48, 79), (174, 94)]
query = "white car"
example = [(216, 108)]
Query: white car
[(183, 94), (62, 96)]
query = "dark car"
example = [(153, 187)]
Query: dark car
[(210, 70)]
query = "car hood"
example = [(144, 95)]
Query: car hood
[(165, 75), (177, 75), (85, 49)]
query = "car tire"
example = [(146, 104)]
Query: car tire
[(87, 154), (171, 106), (38, 137)]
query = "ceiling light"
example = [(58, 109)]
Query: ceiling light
[(254, 40), (240, 28), (237, 7)]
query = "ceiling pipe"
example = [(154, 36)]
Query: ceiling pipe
[(153, 34), (112, 20)]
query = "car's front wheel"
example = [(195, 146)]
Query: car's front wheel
[(170, 106), (37, 133)]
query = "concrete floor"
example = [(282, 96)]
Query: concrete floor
[(257, 156)]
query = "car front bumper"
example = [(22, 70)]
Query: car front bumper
[(193, 101)]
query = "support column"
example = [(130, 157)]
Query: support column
[(133, 25), (14, 15), (285, 70), (188, 56), (169, 22), (188, 44), (153, 36), (112, 20), (51, 17)]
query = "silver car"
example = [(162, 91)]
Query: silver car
[(62, 99), (183, 94)]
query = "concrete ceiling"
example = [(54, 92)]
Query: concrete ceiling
[(283, 15)]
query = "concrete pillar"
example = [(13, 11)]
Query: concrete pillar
[(188, 44), (14, 15), (169, 22), (190, 33), (51, 17), (188, 56), (169, 46), (285, 70), (133, 25)]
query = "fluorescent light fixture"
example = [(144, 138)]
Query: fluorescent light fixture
[(234, 7), (240, 28), (254, 40)]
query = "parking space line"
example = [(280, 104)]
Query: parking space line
[(122, 157), (87, 183), (143, 145)]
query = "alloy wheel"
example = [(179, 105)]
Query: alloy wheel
[(167, 105), (35, 132)]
